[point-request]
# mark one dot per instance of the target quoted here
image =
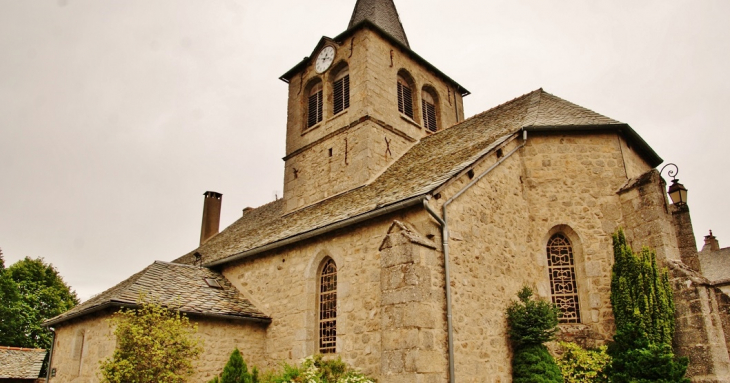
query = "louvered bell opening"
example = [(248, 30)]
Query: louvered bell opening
[(342, 94), (400, 97), (429, 116), (315, 109), (407, 102)]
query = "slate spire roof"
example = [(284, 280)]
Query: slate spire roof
[(383, 14)]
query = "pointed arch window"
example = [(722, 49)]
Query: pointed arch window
[(428, 108), (561, 264), (314, 110), (327, 302), (405, 97), (341, 88)]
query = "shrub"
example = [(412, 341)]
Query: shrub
[(534, 364), (154, 344), (643, 307), (314, 369), (236, 371), (531, 323), (580, 365)]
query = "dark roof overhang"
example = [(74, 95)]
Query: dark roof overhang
[(369, 24), (118, 305), (641, 147)]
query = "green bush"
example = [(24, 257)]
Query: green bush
[(534, 364), (643, 308), (579, 365), (531, 323), (236, 371), (314, 369)]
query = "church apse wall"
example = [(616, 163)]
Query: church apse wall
[(556, 184)]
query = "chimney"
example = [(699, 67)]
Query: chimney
[(711, 243), (211, 215)]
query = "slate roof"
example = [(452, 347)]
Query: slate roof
[(178, 286), (426, 166), (21, 363), (383, 14)]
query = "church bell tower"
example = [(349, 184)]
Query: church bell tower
[(359, 102)]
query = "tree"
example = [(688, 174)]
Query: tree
[(236, 371), (41, 294), (643, 308), (10, 309), (532, 322), (168, 341)]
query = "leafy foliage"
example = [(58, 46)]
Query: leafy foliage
[(643, 307), (531, 323), (11, 309), (236, 371), (534, 364), (579, 365), (314, 369), (34, 292), (167, 339)]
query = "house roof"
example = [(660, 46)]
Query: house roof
[(177, 286), (381, 13), (21, 363), (427, 165)]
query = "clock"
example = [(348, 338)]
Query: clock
[(324, 59)]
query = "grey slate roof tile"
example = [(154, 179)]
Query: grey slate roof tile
[(427, 165), (21, 363), (177, 286)]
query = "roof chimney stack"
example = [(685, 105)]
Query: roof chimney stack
[(711, 243), (211, 215)]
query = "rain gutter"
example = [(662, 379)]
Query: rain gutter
[(443, 222)]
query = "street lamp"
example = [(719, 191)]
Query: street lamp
[(677, 192)]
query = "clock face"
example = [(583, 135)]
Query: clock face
[(324, 59)]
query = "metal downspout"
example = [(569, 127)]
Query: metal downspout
[(443, 222), (50, 356)]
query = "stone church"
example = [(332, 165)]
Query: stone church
[(405, 230)]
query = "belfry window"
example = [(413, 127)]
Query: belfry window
[(341, 88), (327, 302), (405, 97), (428, 107), (314, 111), (561, 265)]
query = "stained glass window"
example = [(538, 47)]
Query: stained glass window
[(328, 308), (561, 264)]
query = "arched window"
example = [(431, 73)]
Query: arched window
[(428, 107), (561, 265), (341, 87), (405, 96), (327, 302), (314, 110)]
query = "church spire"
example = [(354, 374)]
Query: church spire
[(383, 14)]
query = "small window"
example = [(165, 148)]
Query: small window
[(429, 111), (212, 282), (405, 97), (314, 111), (327, 303), (561, 264), (341, 88)]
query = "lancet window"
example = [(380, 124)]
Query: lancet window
[(405, 97), (564, 289), (327, 302), (428, 108), (341, 88), (314, 110)]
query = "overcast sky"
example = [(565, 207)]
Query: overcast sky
[(116, 116)]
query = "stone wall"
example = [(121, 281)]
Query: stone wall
[(81, 344), (283, 284), (347, 150), (499, 230)]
